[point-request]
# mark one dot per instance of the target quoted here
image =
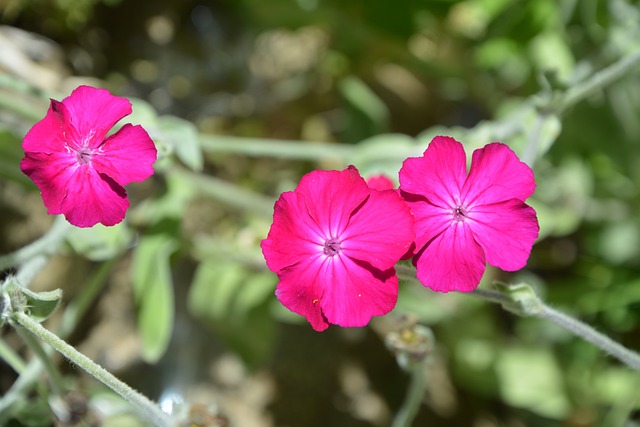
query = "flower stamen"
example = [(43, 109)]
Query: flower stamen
[(459, 214), (332, 247)]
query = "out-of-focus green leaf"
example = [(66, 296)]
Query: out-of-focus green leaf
[(153, 292), (182, 137), (226, 289), (214, 288), (10, 155), (531, 378), (549, 52), (142, 113), (614, 385), (171, 205), (99, 242), (621, 241), (32, 412), (384, 154), (230, 298), (367, 114)]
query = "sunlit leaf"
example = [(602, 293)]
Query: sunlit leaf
[(153, 292)]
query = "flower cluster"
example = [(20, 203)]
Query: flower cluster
[(81, 171), (335, 239)]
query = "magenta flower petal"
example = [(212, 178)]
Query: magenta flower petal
[(439, 174), (95, 111), (380, 182), (357, 292), (462, 221), (49, 134), (300, 290), (333, 244), (53, 180), (496, 175), (430, 220), (453, 261), (319, 189), (90, 192), (127, 156), (294, 234), (381, 231), (506, 231), (80, 173)]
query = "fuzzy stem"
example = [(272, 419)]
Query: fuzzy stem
[(149, 409), (75, 310), (576, 327), (629, 357), (413, 400)]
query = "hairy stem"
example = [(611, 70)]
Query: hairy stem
[(576, 327), (629, 357), (74, 312), (147, 408)]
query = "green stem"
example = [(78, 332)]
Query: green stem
[(46, 244), (629, 357), (493, 296), (413, 400), (599, 80), (149, 409), (55, 379), (19, 389), (74, 312), (576, 327), (11, 357), (229, 193), (256, 147)]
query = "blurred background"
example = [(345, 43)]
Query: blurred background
[(220, 85)]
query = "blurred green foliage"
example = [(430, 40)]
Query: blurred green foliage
[(366, 83)]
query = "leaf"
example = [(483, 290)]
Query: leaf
[(10, 155), (153, 292), (39, 305), (182, 137), (170, 205), (531, 378), (367, 113), (213, 289), (384, 153), (99, 242)]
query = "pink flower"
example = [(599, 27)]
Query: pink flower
[(463, 222), (333, 243), (81, 171), (380, 182)]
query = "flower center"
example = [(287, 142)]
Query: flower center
[(84, 155), (332, 247), (459, 214)]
